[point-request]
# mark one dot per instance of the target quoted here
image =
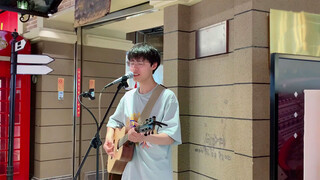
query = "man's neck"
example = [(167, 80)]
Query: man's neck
[(146, 87)]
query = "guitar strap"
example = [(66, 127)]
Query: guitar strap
[(148, 108)]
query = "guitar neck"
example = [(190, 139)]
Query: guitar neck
[(124, 139)]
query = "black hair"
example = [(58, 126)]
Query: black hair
[(145, 51)]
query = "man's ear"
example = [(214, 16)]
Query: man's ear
[(154, 66)]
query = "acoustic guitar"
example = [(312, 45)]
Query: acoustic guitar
[(123, 148)]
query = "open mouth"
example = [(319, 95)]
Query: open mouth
[(135, 75)]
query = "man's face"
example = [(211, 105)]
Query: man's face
[(141, 68)]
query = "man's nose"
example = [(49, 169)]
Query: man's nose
[(134, 65)]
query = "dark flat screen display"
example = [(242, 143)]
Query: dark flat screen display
[(290, 76)]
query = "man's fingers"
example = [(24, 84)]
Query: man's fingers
[(109, 142), (109, 147), (137, 137), (136, 124), (111, 154), (133, 136), (110, 151)]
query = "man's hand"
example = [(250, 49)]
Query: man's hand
[(108, 146), (130, 125), (133, 136)]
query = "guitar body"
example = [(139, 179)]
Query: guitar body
[(123, 148), (122, 155)]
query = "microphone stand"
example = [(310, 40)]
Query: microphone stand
[(95, 141)]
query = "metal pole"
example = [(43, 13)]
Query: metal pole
[(74, 125), (12, 106), (97, 155)]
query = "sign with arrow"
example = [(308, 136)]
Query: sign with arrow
[(34, 59), (33, 69), (32, 64)]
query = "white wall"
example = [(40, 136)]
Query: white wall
[(311, 135)]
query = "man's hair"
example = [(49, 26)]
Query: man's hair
[(145, 51)]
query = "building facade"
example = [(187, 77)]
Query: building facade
[(224, 98)]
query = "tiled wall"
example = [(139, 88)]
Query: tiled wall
[(224, 99), (103, 66), (54, 118)]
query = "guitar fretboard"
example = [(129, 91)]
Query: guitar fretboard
[(123, 140)]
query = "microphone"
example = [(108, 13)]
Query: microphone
[(120, 79)]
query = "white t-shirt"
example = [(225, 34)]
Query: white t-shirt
[(154, 162)]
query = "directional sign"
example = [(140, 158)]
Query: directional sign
[(33, 69), (34, 59), (20, 45)]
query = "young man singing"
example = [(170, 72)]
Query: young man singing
[(152, 154)]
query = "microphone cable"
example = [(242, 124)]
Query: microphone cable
[(99, 118), (87, 109)]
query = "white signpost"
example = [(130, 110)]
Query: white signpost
[(34, 59), (31, 64), (34, 64), (33, 69)]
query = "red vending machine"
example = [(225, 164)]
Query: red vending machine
[(22, 113)]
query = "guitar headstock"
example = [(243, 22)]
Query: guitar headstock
[(148, 126)]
